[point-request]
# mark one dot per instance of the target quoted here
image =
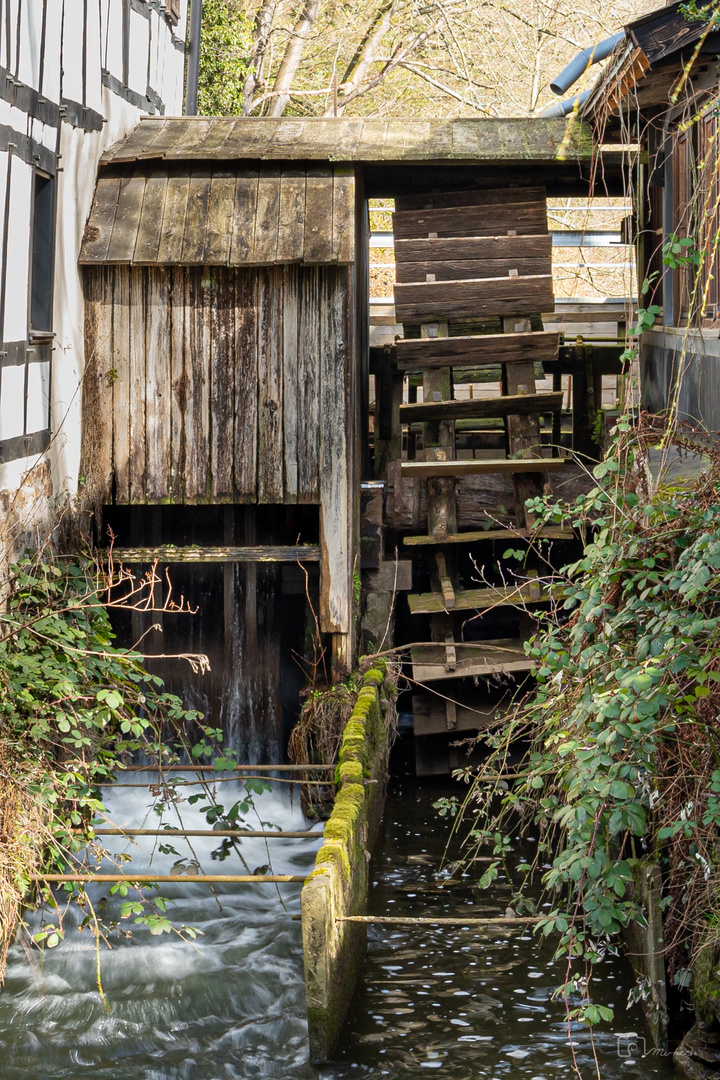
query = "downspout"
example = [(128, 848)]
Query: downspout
[(563, 108), (579, 65), (193, 71)]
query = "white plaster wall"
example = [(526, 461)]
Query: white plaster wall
[(80, 153)]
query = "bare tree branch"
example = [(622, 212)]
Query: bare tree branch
[(293, 55)]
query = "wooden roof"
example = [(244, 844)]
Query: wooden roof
[(235, 216), (340, 139)]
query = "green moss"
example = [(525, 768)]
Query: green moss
[(706, 982)]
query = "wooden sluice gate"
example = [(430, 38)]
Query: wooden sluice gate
[(242, 425)]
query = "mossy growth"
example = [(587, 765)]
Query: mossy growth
[(706, 981)]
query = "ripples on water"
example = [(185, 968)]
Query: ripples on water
[(473, 1003), (467, 1004), (230, 1005)]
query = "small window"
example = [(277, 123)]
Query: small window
[(43, 248), (172, 9)]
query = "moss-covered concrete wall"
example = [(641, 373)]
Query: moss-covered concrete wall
[(338, 886)]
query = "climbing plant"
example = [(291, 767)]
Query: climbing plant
[(74, 708), (619, 743)]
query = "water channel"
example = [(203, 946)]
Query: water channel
[(464, 1003)]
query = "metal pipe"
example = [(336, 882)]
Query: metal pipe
[(235, 768), (193, 68), (580, 63), (202, 832), (562, 108), (147, 879)]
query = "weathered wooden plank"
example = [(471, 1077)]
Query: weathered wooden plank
[(173, 220), (242, 248), (248, 138), (458, 270), (99, 229), (147, 241), (467, 468), (179, 320), (146, 131), (309, 348), (193, 248), (472, 248), (270, 386), (291, 231), (519, 595), (319, 215), (537, 287), (522, 218), (267, 220), (197, 369), (218, 232), (335, 497), (165, 139), (209, 139), (127, 219), (137, 383), (158, 381), (430, 715), (460, 310), (246, 385), (222, 396), (413, 354), (478, 408), (503, 535), (343, 214), (120, 369), (290, 380), (264, 553), (487, 658), (442, 200), (97, 389)]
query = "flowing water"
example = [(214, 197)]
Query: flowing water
[(465, 1003)]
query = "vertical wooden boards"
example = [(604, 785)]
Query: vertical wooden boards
[(308, 384), (218, 233), (291, 230), (158, 382), (335, 497), (242, 247), (147, 241), (245, 361), (318, 215), (290, 381), (173, 223), (120, 369), (137, 375), (222, 397), (197, 369), (343, 226), (97, 388), (267, 220), (270, 385), (178, 382)]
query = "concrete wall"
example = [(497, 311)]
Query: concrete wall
[(338, 886), (692, 355)]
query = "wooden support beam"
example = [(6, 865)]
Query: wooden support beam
[(484, 658), (481, 408), (470, 468), (169, 554), (505, 535), (416, 353), (446, 598), (481, 599)]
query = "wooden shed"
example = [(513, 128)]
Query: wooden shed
[(225, 266)]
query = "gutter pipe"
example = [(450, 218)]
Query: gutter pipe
[(193, 71), (579, 65), (563, 108)]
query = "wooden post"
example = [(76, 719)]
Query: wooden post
[(523, 432)]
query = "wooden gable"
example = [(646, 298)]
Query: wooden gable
[(222, 216)]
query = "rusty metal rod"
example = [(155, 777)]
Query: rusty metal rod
[(137, 879), (216, 780), (235, 768), (399, 920), (199, 832)]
